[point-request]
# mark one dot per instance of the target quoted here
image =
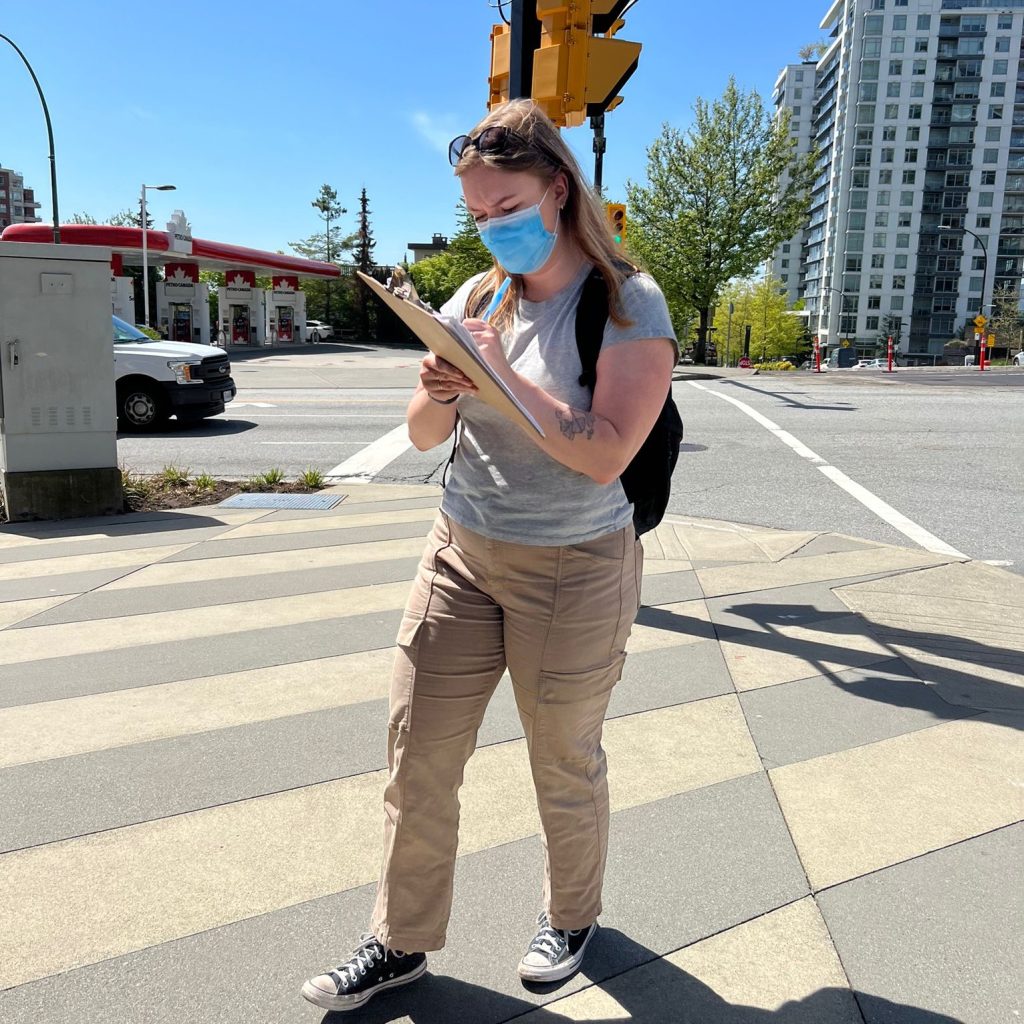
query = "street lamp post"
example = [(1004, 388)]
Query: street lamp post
[(49, 133), (145, 248), (984, 280), (839, 322)]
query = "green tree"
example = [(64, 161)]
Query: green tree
[(1006, 322), (329, 245), (813, 51), (82, 218), (439, 277), (776, 332), (718, 199), (363, 260)]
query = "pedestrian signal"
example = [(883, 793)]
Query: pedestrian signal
[(616, 214)]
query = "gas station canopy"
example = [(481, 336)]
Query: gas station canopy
[(126, 242)]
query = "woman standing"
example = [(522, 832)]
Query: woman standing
[(533, 563)]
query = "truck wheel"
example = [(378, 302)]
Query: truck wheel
[(141, 406)]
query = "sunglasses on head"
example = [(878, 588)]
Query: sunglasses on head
[(496, 139)]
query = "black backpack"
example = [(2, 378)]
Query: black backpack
[(647, 480)]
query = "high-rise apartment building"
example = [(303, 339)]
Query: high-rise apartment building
[(917, 212), (17, 204), (794, 94)]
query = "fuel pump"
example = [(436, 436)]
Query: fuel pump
[(181, 322), (240, 325)]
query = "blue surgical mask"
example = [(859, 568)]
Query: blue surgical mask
[(519, 241)]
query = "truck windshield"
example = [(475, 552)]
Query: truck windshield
[(124, 332)]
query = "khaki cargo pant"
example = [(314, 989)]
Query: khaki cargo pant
[(558, 618)]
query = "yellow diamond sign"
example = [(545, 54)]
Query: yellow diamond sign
[(980, 321)]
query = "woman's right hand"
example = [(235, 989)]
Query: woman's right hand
[(443, 381)]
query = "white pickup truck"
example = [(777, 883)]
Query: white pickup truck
[(157, 379)]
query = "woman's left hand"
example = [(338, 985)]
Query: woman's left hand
[(488, 340)]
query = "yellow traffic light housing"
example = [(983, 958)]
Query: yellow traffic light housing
[(616, 215), (579, 67), (501, 63)]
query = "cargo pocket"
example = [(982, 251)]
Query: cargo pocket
[(418, 604), (570, 713)]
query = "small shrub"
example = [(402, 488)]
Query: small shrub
[(136, 489), (312, 478), (205, 482), (273, 476), (172, 476), (779, 364)]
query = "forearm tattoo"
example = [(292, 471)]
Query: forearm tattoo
[(575, 421)]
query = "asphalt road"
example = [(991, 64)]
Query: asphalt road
[(944, 450)]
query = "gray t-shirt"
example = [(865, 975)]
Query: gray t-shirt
[(502, 485)]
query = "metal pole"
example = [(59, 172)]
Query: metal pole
[(524, 39), (145, 262), (49, 135), (728, 334), (600, 144)]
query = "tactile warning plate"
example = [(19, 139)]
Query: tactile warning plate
[(284, 501)]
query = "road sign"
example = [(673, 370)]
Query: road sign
[(980, 321), (990, 340)]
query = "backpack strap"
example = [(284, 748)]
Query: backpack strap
[(591, 318)]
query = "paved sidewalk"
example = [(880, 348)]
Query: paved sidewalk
[(816, 765)]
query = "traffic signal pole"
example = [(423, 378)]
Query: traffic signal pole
[(525, 38), (600, 144)]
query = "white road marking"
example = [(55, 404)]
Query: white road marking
[(897, 520), (253, 405), (364, 465), (1001, 563), (304, 443)]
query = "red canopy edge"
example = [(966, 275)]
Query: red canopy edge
[(129, 239)]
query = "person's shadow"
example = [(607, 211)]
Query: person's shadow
[(656, 993)]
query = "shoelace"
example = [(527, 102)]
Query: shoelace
[(549, 940), (361, 959)]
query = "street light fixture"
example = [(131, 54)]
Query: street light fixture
[(145, 247), (984, 278), (842, 311), (49, 133)]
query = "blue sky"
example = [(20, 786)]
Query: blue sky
[(249, 108)]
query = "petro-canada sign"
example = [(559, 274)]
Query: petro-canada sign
[(179, 233)]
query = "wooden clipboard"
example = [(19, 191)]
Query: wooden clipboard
[(447, 338)]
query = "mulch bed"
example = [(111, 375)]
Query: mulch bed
[(163, 496)]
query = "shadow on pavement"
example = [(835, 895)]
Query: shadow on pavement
[(659, 993), (957, 689), (783, 396), (205, 428)]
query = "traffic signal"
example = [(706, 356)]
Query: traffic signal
[(610, 62), (501, 62), (579, 68), (616, 214)]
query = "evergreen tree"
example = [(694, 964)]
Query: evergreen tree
[(363, 259), (327, 206)]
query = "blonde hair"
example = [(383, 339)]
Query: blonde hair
[(544, 153)]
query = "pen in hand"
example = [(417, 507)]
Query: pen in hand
[(498, 296)]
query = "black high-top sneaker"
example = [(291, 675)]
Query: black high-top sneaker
[(554, 954), (371, 969)]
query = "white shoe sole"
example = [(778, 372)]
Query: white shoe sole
[(341, 1004), (543, 974)]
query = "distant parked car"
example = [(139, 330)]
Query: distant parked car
[(317, 330), (1018, 359)]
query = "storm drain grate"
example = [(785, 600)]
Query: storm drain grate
[(279, 501)]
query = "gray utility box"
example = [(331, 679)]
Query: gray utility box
[(58, 440)]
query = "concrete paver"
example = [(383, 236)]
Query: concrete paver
[(192, 713)]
